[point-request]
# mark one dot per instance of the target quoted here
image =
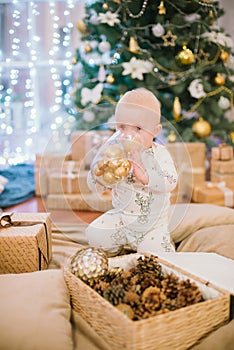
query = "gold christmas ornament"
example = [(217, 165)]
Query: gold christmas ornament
[(186, 56), (110, 79), (161, 8), (176, 108), (232, 136), (172, 137), (201, 128), (105, 6), (74, 60), (81, 26), (133, 45), (219, 79), (224, 55), (89, 263), (169, 39), (88, 48)]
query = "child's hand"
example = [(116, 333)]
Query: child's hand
[(138, 168)]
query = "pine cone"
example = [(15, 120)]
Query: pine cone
[(114, 294), (132, 298), (126, 309), (101, 287), (149, 264), (113, 273), (151, 298), (188, 293), (170, 285)]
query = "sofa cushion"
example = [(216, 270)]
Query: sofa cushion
[(35, 311)]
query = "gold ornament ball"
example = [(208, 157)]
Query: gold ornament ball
[(81, 26), (110, 79), (105, 6), (89, 263), (109, 177), (232, 136), (126, 164), (201, 128), (186, 56), (98, 171), (171, 137), (74, 60), (224, 55), (88, 48), (121, 172), (219, 79)]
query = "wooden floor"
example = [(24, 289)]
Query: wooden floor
[(37, 204)]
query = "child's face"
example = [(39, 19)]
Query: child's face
[(145, 137)]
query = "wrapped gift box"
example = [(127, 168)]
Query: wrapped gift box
[(227, 178), (25, 242), (59, 183), (45, 164), (84, 202), (178, 329), (222, 167), (215, 193), (189, 159), (223, 152), (84, 145)]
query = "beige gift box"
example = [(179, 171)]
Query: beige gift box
[(84, 145), (69, 183), (25, 242), (47, 163), (227, 178), (214, 193), (222, 167), (189, 154), (223, 152), (83, 202)]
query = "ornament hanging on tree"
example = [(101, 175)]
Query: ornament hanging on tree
[(89, 263), (88, 48), (232, 136), (162, 8), (104, 46), (169, 39), (176, 109), (81, 26), (110, 79), (133, 45), (74, 60), (201, 128), (224, 55), (158, 30), (172, 137), (219, 79), (105, 6), (186, 56)]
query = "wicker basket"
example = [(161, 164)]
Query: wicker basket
[(178, 329)]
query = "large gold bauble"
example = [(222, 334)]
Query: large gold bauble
[(219, 79), (224, 55), (89, 263), (88, 48), (109, 177), (126, 164), (81, 26), (186, 56), (201, 128), (120, 172)]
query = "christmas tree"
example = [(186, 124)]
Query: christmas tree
[(175, 49)]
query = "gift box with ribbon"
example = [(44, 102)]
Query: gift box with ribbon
[(215, 193), (25, 242), (222, 152), (68, 182)]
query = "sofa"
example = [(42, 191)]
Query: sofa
[(35, 307)]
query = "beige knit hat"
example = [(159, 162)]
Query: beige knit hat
[(139, 107)]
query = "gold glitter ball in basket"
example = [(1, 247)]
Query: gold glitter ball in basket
[(89, 263), (112, 163)]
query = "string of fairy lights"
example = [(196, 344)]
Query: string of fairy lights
[(33, 45)]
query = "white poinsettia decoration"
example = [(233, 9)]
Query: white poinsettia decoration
[(158, 30), (109, 18), (196, 89), (91, 95), (218, 38), (224, 102), (136, 68)]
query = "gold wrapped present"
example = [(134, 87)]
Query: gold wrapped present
[(83, 202), (84, 145), (222, 167), (214, 193), (25, 242), (227, 178), (45, 164), (69, 182), (222, 152)]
